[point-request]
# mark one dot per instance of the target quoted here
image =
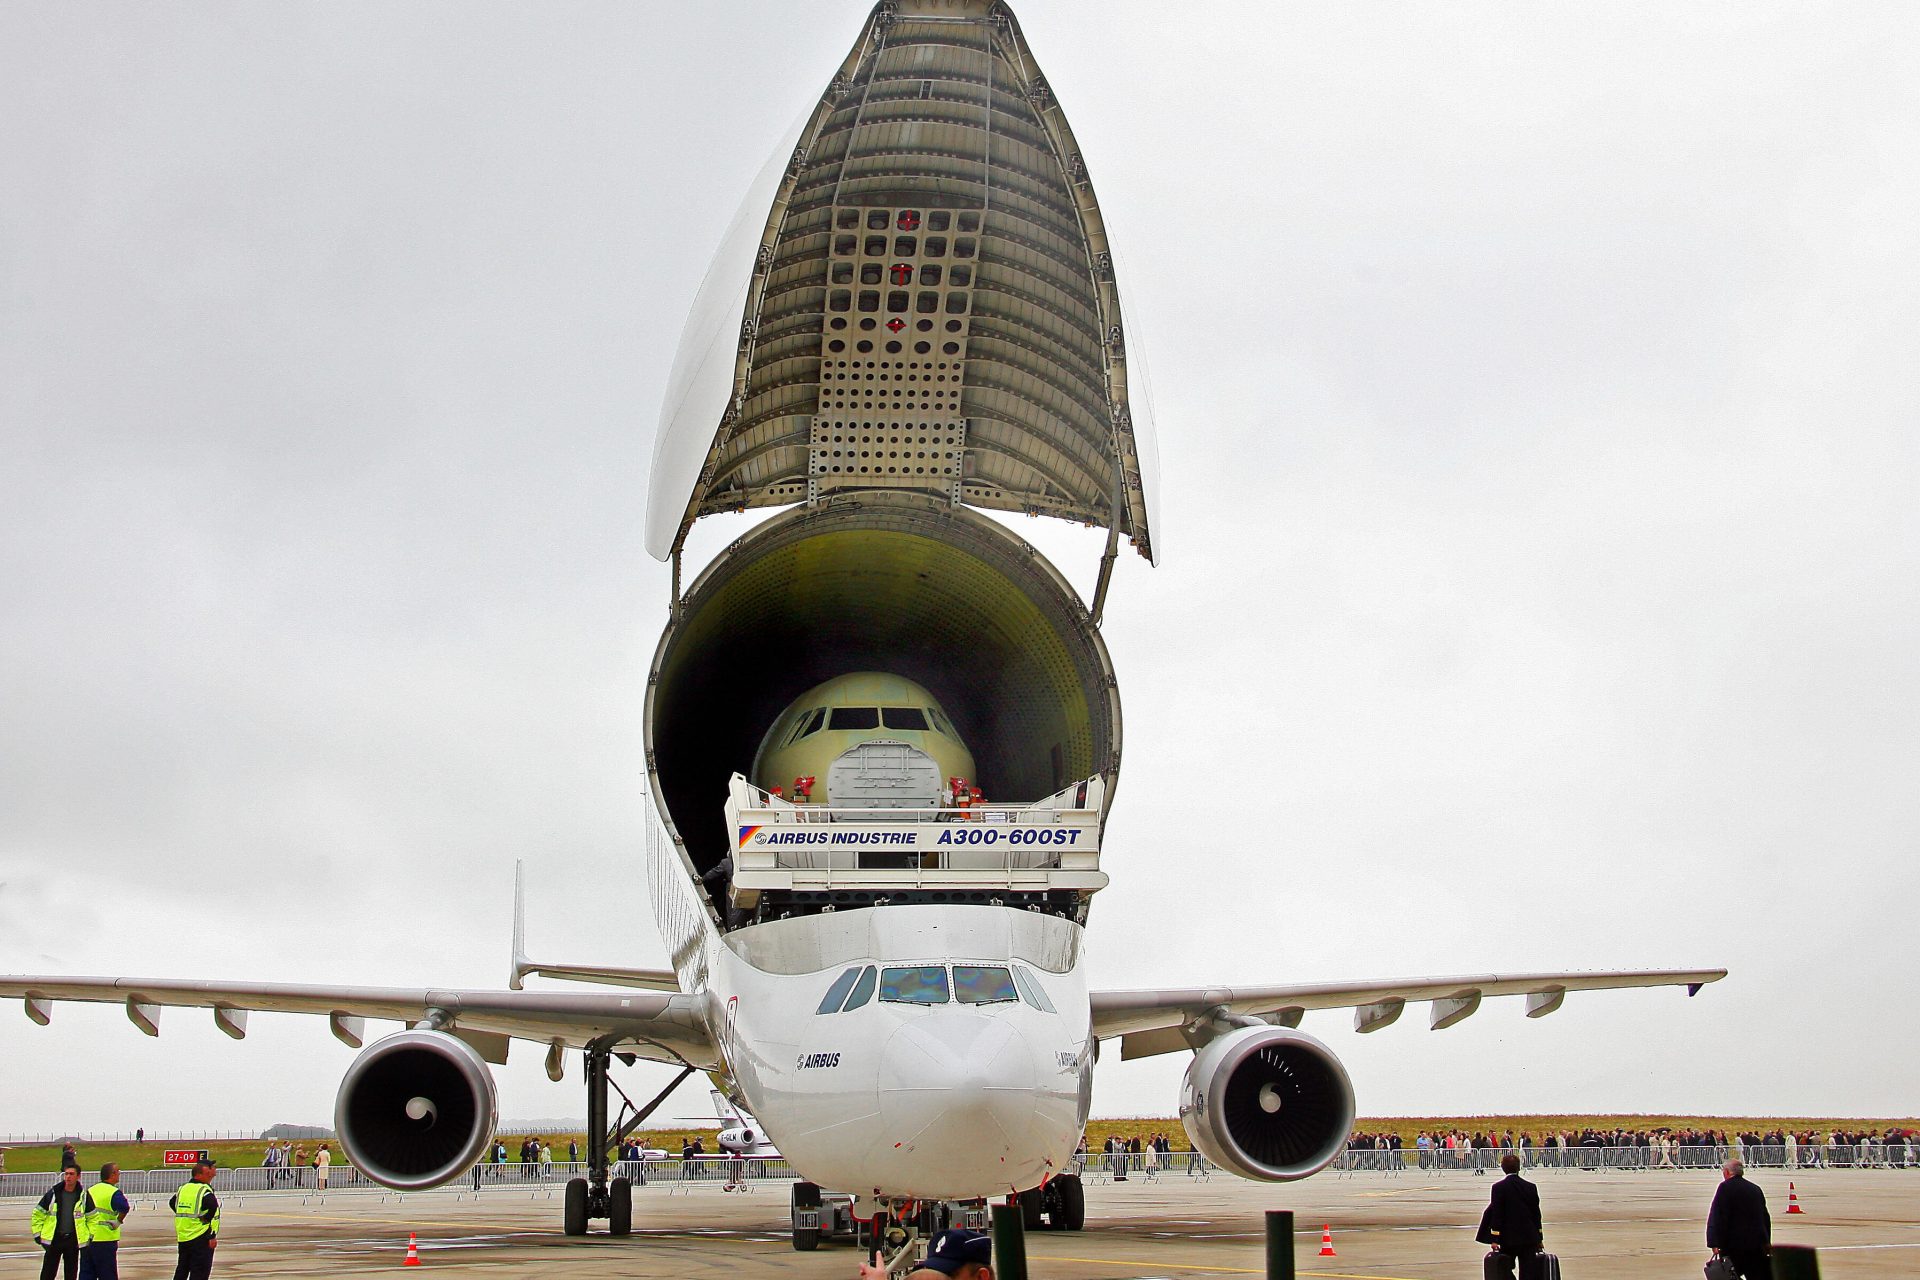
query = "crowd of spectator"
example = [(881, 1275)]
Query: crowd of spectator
[(1665, 1148)]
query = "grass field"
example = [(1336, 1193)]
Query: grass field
[(150, 1155)]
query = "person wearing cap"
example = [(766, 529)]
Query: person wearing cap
[(196, 1224), (958, 1253), (106, 1208), (60, 1223)]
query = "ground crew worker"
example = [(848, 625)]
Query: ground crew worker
[(196, 1224), (106, 1208), (59, 1224), (955, 1254)]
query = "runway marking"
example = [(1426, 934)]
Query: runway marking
[(1195, 1266)]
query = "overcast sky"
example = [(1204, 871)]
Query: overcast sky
[(1541, 565)]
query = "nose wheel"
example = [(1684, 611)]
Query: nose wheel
[(1060, 1205)]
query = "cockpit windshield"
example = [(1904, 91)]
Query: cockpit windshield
[(855, 718), (982, 984), (1030, 988), (837, 993), (862, 990), (903, 718), (918, 984)]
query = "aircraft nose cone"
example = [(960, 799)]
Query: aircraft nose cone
[(963, 1084)]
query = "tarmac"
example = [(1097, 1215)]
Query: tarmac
[(1412, 1226)]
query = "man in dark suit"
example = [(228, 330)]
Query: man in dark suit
[(1738, 1226), (1511, 1223)]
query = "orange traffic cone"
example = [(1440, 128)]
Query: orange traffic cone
[(1326, 1242), (1793, 1200), (413, 1252)]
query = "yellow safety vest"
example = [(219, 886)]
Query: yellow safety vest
[(103, 1220), (47, 1220), (187, 1223)]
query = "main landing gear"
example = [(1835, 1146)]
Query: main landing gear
[(1060, 1205), (596, 1196)]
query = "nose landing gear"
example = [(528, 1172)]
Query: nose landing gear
[(1060, 1205)]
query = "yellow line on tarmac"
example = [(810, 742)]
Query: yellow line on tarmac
[(1156, 1264)]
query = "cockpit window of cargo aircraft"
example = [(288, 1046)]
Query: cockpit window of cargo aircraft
[(940, 722), (983, 984), (855, 718), (920, 984), (862, 990), (808, 724), (1031, 992), (903, 718), (837, 993)]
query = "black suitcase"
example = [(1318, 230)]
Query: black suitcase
[(1541, 1266)]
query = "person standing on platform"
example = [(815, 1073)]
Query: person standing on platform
[(106, 1208), (196, 1224), (59, 1224), (1739, 1228), (1511, 1223)]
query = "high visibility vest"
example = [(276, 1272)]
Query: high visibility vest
[(46, 1217), (187, 1222), (103, 1220)]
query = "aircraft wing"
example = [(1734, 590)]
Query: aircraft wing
[(1150, 1022), (658, 1026)]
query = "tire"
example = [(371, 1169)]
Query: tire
[(806, 1195), (1031, 1207), (620, 1207), (574, 1219), (1070, 1203)]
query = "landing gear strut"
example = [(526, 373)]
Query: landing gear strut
[(597, 1196)]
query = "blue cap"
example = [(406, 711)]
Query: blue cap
[(954, 1249)]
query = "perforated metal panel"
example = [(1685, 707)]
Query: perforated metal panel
[(893, 342)]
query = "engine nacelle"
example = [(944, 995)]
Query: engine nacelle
[(1267, 1103), (417, 1109)]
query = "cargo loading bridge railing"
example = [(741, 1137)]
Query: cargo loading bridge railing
[(779, 846)]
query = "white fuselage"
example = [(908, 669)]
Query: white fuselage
[(945, 1100)]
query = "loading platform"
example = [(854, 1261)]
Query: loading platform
[(1051, 846)]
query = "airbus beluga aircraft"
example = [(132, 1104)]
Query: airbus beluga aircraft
[(882, 731)]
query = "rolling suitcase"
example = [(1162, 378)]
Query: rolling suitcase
[(1540, 1266)]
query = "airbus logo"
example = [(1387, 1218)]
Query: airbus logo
[(809, 1061)]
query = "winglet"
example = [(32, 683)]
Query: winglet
[(520, 965)]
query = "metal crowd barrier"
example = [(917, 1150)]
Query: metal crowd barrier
[(250, 1179), (1099, 1166)]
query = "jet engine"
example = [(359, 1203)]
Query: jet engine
[(416, 1110), (1267, 1103)]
